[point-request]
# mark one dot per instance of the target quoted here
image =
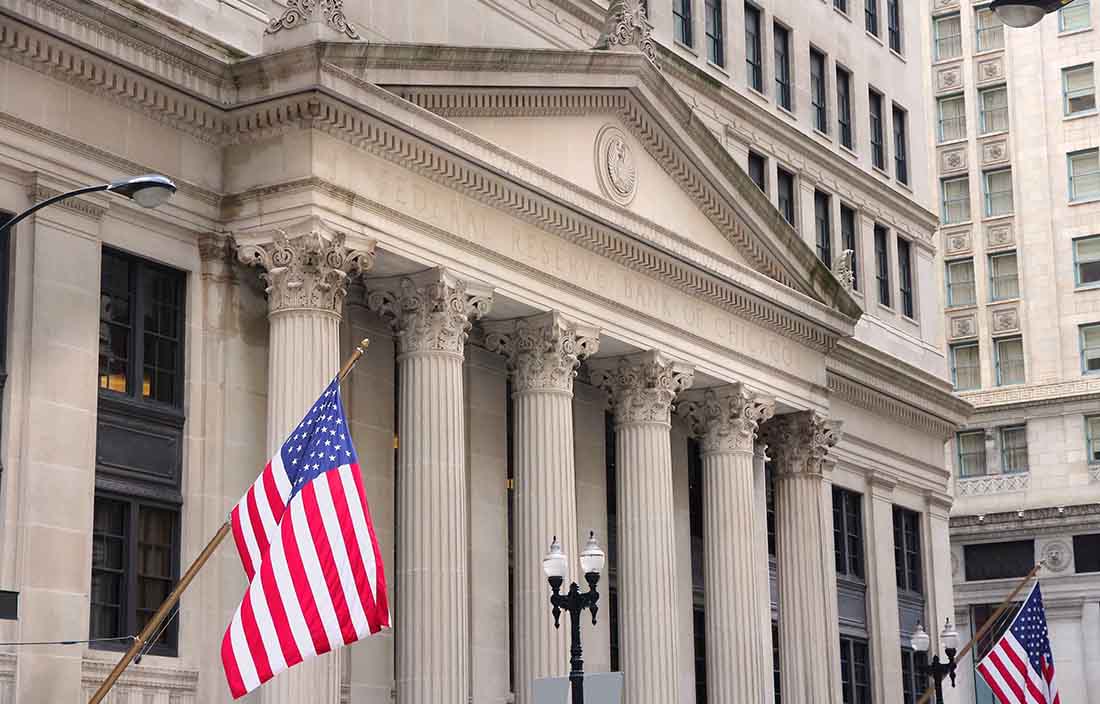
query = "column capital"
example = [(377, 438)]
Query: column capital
[(800, 443), (429, 311), (642, 386), (305, 266), (726, 418), (543, 350)]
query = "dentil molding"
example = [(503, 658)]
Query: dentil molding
[(543, 351), (641, 387), (725, 419)]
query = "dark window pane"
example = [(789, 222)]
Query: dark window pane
[(716, 41), (893, 19), (999, 560), (870, 11), (754, 59), (817, 91), (844, 106), (681, 20), (758, 166), (156, 553), (775, 662), (848, 532), (1086, 552), (824, 227), (907, 551), (109, 557), (769, 483), (785, 188), (882, 265), (905, 277), (699, 622), (783, 66), (901, 153), (878, 152)]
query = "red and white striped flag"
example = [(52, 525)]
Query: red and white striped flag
[(1019, 668), (306, 541)]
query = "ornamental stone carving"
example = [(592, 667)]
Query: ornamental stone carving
[(993, 152), (306, 267), (991, 70), (999, 236), (642, 386), (725, 419), (844, 271), (430, 311), (300, 12), (953, 160), (1056, 555), (615, 167), (800, 442), (1005, 320), (626, 27), (962, 326), (956, 242), (543, 351), (948, 79)]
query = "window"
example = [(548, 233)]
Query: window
[(1086, 260), (882, 265), (1074, 16), (952, 118), (905, 276), (998, 192), (907, 553), (775, 663), (4, 244), (1092, 438), (841, 5), (870, 11), (1008, 355), (971, 449), (965, 367), (1014, 449), (716, 40), (1086, 553), (824, 227), (912, 683), (1078, 90), (1084, 175), (1090, 348), (848, 240), (990, 29), (754, 53), (901, 153), (999, 560), (681, 21), (994, 109), (893, 24), (1003, 275), (783, 66), (878, 151), (817, 91), (769, 505), (956, 200), (848, 532), (844, 106), (947, 37), (784, 181), (758, 169), (855, 671), (960, 283), (700, 642)]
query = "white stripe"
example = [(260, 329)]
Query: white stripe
[(266, 626), (989, 670), (282, 481), (340, 556), (1035, 677), (267, 517), (285, 585), (240, 653), (359, 523), (314, 576), (249, 535)]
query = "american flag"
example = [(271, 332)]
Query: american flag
[(307, 544), (1020, 666)]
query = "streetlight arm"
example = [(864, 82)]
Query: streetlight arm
[(50, 201)]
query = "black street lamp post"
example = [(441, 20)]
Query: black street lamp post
[(556, 566), (937, 670), (148, 191)]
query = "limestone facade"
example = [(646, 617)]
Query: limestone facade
[(584, 314)]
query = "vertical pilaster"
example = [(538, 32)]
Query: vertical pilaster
[(642, 389), (543, 352), (882, 589), (809, 633), (430, 313), (725, 421)]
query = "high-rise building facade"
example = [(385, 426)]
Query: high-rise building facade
[(1015, 143), (672, 278)]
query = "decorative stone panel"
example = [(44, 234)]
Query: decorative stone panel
[(953, 159), (1057, 554), (957, 242), (993, 484), (949, 79), (1004, 319), (999, 235), (994, 152), (962, 326), (938, 5), (990, 70)]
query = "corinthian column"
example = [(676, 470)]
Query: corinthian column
[(306, 269), (543, 352), (809, 635), (725, 421), (430, 313), (642, 388)]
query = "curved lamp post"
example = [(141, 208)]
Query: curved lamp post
[(937, 670), (1024, 13), (556, 566), (148, 191)]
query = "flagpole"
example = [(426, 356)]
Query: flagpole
[(987, 625), (150, 628)]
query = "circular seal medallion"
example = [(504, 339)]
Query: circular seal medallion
[(1057, 555), (615, 167)]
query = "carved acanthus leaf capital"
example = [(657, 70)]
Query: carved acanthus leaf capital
[(543, 351), (430, 311), (642, 386), (725, 419), (626, 27), (799, 443), (844, 270)]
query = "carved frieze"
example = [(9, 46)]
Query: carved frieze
[(999, 235), (543, 350), (949, 78), (1057, 555), (953, 159), (957, 242), (992, 484), (1004, 319), (725, 419), (990, 70), (962, 326), (994, 152)]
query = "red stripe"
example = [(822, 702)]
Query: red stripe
[(301, 585), (351, 544), (329, 569), (1006, 674), (278, 614), (229, 663), (272, 490), (257, 524), (1025, 672), (381, 599), (254, 639), (992, 682), (242, 547)]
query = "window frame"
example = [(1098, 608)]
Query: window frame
[(882, 265), (988, 195), (850, 552), (754, 71), (1073, 179), (899, 118), (893, 26), (939, 41), (714, 31), (784, 75), (954, 350), (1062, 19), (854, 691), (757, 157), (1078, 92), (849, 239), (783, 175), (1092, 441), (1077, 261), (908, 553), (1005, 560), (951, 284), (877, 128), (845, 131), (5, 268), (998, 356), (871, 17), (682, 22), (1083, 330), (906, 294), (1004, 432), (960, 118), (984, 112), (912, 683), (823, 227), (945, 203), (994, 296), (998, 28), (819, 90), (983, 469)]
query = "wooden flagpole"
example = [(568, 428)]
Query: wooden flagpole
[(928, 693), (158, 617)]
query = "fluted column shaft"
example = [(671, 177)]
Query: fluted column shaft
[(642, 390), (430, 313), (809, 632), (543, 352)]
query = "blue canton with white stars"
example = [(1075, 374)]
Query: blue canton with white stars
[(1030, 630), (321, 441)]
